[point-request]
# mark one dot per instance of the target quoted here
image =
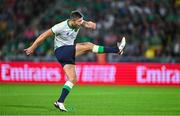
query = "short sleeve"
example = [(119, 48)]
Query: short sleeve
[(57, 28)]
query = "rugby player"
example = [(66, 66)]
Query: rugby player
[(65, 50)]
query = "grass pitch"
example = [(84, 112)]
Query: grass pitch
[(90, 100)]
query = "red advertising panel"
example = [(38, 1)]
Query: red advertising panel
[(92, 73)]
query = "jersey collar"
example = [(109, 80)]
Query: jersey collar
[(71, 26)]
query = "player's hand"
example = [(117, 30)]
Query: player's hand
[(29, 51), (90, 25)]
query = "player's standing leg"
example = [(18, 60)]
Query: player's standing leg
[(70, 72)]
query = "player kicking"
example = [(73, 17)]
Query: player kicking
[(65, 51)]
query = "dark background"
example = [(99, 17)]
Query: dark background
[(150, 26)]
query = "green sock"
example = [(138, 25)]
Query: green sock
[(102, 49), (98, 49)]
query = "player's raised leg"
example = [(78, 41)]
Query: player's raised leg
[(85, 47), (69, 69)]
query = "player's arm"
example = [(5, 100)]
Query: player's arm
[(89, 24), (38, 41)]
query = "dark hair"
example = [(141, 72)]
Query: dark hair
[(76, 14)]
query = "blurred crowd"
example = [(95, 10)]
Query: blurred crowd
[(151, 27)]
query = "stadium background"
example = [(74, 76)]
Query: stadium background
[(152, 51)]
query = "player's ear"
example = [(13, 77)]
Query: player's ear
[(73, 20)]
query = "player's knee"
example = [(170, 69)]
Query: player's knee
[(89, 45), (73, 80)]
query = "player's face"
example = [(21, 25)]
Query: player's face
[(78, 22)]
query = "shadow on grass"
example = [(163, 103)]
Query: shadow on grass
[(31, 107), (48, 109)]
